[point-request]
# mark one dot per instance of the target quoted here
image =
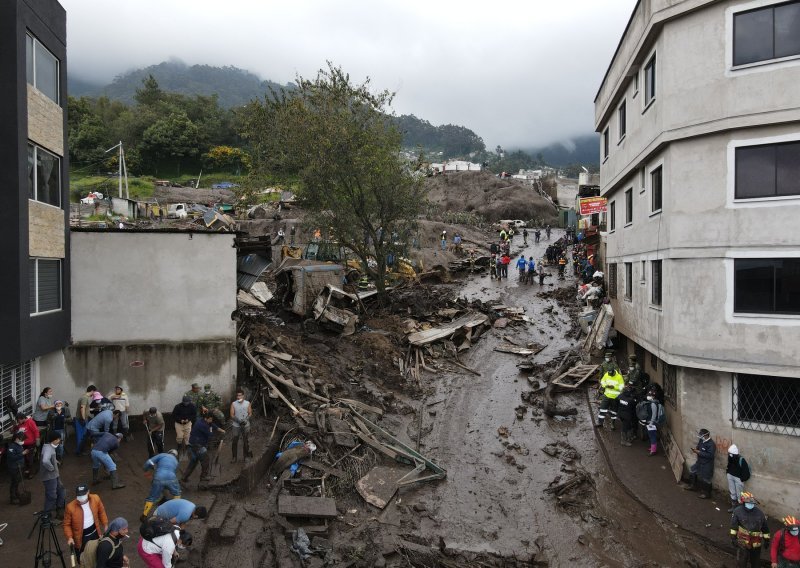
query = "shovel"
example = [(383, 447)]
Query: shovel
[(24, 495), (216, 467)]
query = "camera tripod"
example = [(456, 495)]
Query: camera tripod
[(46, 542)]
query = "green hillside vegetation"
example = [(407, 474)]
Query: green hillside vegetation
[(451, 140)]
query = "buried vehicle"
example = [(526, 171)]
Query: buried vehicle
[(314, 290)]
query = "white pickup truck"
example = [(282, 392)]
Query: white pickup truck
[(177, 211)]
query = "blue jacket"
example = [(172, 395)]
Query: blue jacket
[(531, 265), (166, 466), (201, 433), (179, 509), (101, 422), (107, 443), (521, 263)]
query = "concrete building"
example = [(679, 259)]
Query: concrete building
[(700, 147), (151, 313), (34, 217)]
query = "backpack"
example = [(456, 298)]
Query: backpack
[(643, 412), (661, 416), (745, 469), (155, 527), (89, 554)]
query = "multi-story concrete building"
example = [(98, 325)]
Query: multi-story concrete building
[(34, 223), (699, 117)]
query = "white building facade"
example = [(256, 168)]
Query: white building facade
[(699, 118)]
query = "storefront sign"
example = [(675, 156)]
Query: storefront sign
[(592, 205)]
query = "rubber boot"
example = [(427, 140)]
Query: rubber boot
[(625, 438), (705, 490), (734, 504), (613, 422), (653, 449), (205, 470), (95, 476), (692, 486), (115, 482), (148, 506)]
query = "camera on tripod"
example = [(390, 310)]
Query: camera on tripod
[(47, 544)]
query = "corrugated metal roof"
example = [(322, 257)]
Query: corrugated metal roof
[(249, 268)]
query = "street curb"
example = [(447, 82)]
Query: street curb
[(687, 532)]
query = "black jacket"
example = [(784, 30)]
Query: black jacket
[(14, 459), (627, 406), (735, 465), (184, 412)]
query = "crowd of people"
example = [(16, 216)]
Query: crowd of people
[(100, 424)]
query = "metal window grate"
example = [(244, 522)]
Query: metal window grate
[(671, 385), (15, 381), (612, 280), (767, 404)]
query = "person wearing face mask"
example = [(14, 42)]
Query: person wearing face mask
[(15, 459), (651, 415), (43, 406), (607, 364), (241, 411), (51, 478), (183, 415), (612, 385), (85, 519), (738, 471), (109, 549), (785, 548), (702, 472), (749, 530), (57, 422)]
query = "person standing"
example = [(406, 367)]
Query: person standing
[(154, 422), (292, 234), (164, 477), (652, 415), (85, 519), (15, 461), (194, 394), (43, 406), (82, 417), (612, 385), (57, 422), (119, 399), (627, 415), (198, 447), (110, 553), (531, 270), (33, 439), (785, 547), (524, 236), (737, 472), (505, 260), (702, 472), (636, 378), (537, 235), (749, 530), (521, 265), (101, 454), (51, 478), (241, 412), (183, 415)]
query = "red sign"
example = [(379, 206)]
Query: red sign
[(592, 205)]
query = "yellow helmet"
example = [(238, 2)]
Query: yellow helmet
[(746, 497), (790, 521)]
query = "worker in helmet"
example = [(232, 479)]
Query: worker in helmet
[(785, 547), (749, 530), (612, 384), (702, 472)]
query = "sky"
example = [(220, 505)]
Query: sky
[(519, 73)]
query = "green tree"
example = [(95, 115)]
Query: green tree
[(172, 137), (337, 137)]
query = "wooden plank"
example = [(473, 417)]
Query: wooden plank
[(272, 353), (519, 350), (379, 485), (579, 372), (311, 507), (676, 460), (323, 468), (341, 432)]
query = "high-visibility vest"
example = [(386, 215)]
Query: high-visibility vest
[(613, 385)]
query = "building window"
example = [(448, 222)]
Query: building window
[(767, 404), (655, 298), (629, 206), (766, 285), (644, 272), (766, 33), (41, 68), (650, 81), (15, 381), (612, 213), (636, 83), (642, 178), (605, 143), (628, 280), (654, 362), (44, 285), (623, 127), (612, 280), (771, 170), (655, 189), (671, 385), (44, 176)]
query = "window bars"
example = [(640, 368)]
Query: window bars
[(766, 404)]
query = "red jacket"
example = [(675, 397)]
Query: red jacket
[(31, 432), (788, 545)]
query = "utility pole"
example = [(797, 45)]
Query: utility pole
[(122, 168)]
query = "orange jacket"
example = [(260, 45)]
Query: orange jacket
[(73, 518)]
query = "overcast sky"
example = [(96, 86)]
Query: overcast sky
[(518, 73)]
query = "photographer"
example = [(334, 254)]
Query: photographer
[(241, 412)]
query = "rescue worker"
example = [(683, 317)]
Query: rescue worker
[(737, 472), (636, 378), (165, 476), (612, 385), (198, 447), (702, 472), (531, 270), (749, 530), (210, 402), (194, 395), (525, 236), (562, 265), (521, 264), (785, 547), (627, 415), (607, 364)]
